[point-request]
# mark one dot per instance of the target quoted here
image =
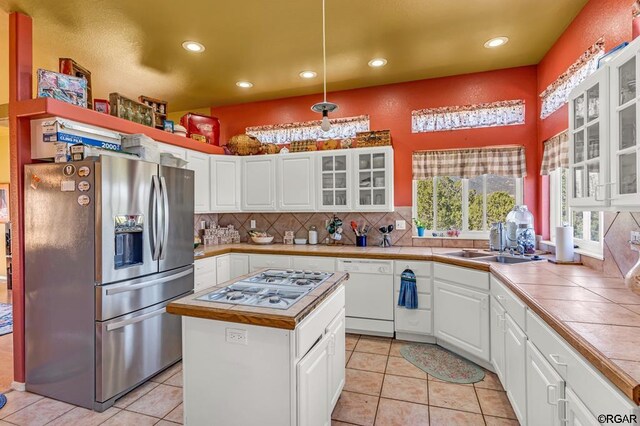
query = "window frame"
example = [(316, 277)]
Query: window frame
[(587, 247), (465, 233)]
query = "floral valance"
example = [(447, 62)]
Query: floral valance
[(506, 161), (341, 128), (556, 153), (557, 93), (503, 113)]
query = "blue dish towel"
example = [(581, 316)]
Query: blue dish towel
[(408, 290)]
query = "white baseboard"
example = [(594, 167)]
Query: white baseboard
[(18, 386), (3, 277)]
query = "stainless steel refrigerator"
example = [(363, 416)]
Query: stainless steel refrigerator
[(108, 244)]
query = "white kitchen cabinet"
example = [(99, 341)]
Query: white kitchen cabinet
[(498, 328), (334, 181), (259, 183), (514, 368), (204, 273), (413, 324), (545, 388), (314, 263), (461, 318), (588, 142), (336, 332), (238, 265), (577, 414), (373, 172), (225, 183), (260, 261), (177, 151), (199, 163), (313, 386), (295, 184), (223, 268)]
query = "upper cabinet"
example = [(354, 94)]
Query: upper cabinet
[(334, 170), (295, 184), (199, 163), (603, 141), (225, 183), (259, 183), (589, 133), (374, 179)]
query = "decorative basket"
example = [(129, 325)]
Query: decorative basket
[(303, 146), (269, 148), (244, 145), (373, 138)]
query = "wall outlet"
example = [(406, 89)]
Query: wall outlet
[(203, 224), (237, 336), (635, 237), (401, 225), (253, 224)]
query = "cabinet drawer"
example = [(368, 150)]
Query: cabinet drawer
[(510, 302), (258, 261), (414, 320), (423, 285), (421, 269), (313, 327), (313, 263), (424, 301), (465, 276), (592, 388), (205, 265), (204, 280)]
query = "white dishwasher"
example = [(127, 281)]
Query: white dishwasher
[(369, 296)]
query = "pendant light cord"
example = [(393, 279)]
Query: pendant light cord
[(324, 51)]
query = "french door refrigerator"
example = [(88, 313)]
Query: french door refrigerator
[(108, 244)]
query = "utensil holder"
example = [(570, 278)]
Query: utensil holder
[(361, 240)]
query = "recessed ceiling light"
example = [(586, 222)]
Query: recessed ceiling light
[(496, 42), (244, 84), (308, 74), (377, 62), (193, 46)]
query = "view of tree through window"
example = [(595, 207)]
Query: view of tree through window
[(489, 200)]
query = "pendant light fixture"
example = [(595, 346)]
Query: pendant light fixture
[(324, 107)]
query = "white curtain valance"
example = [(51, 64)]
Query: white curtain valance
[(557, 93), (341, 128), (502, 113)]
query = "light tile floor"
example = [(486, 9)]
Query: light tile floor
[(381, 389)]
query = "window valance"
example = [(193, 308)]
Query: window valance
[(557, 93), (556, 153), (506, 161), (341, 128), (503, 113)]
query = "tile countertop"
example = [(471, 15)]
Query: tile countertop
[(597, 315), (268, 317)]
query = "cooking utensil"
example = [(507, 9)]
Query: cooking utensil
[(383, 229), (389, 228), (354, 226)]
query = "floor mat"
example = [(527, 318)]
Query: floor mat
[(441, 363)]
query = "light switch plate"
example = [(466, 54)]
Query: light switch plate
[(401, 225), (253, 224)]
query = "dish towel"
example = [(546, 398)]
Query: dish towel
[(408, 290)]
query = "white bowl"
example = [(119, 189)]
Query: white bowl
[(300, 241), (262, 240)]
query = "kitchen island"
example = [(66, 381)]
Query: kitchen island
[(246, 365)]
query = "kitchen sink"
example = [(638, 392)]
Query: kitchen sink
[(468, 254), (510, 259)]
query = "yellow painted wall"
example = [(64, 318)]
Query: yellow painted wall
[(4, 178), (175, 116)]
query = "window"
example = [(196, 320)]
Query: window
[(470, 205), (587, 225)]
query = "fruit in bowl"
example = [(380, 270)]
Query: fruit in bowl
[(260, 237)]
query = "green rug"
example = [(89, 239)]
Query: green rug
[(441, 363)]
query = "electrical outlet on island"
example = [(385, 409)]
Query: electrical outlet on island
[(401, 225), (236, 335)]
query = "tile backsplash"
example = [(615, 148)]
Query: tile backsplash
[(277, 223)]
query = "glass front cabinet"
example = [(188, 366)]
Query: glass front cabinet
[(603, 145), (588, 135), (335, 190), (374, 179)]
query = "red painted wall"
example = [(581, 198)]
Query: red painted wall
[(610, 19), (390, 106)]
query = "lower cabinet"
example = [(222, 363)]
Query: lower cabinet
[(223, 268), (259, 261), (497, 338), (336, 359), (204, 273), (577, 414), (514, 367), (545, 388), (461, 318), (238, 265), (414, 321), (314, 263)]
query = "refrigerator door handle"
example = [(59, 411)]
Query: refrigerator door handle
[(132, 287), (165, 216), (155, 237), (124, 323)]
